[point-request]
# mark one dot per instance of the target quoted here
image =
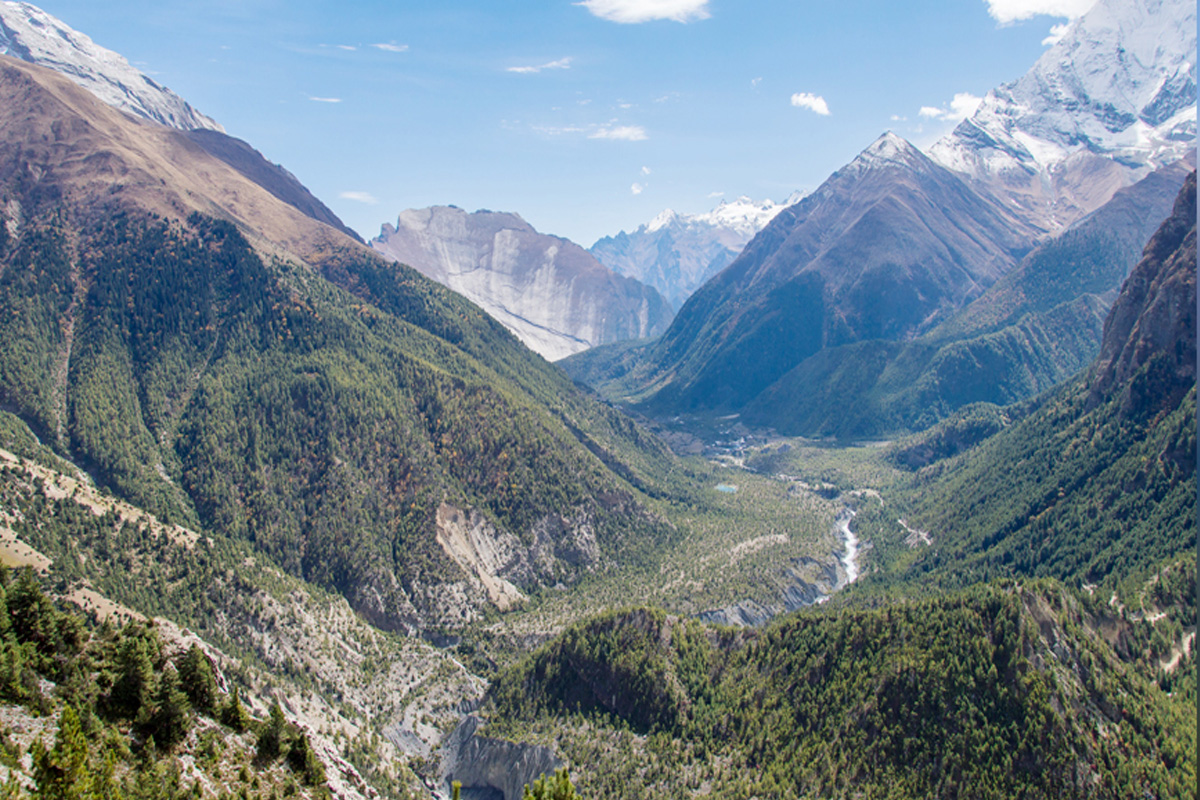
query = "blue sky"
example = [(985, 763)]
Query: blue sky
[(584, 117)]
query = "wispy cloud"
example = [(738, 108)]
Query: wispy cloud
[(348, 47), (714, 195), (962, 106), (562, 63), (624, 133), (359, 197), (637, 189), (1009, 11), (390, 47), (812, 102), (326, 99), (634, 11), (645, 170), (1057, 32), (559, 130)]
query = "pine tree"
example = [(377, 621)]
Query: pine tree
[(234, 714), (196, 675), (61, 773), (171, 717), (558, 787), (270, 740)]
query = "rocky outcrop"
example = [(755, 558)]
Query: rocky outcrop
[(480, 763), (1155, 314), (554, 295), (807, 582)]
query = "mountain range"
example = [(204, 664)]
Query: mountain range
[(897, 244), (30, 34), (676, 253)]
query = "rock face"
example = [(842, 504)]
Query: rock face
[(1112, 100), (677, 253), (550, 292), (1155, 314), (491, 766), (30, 34)]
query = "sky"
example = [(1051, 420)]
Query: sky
[(586, 118)]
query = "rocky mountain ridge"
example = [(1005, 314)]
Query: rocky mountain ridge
[(30, 34), (676, 253), (889, 246), (1112, 100)]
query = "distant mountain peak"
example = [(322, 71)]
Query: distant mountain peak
[(675, 253), (30, 34), (664, 218), (889, 150), (1119, 86)]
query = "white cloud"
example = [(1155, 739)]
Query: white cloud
[(359, 197), (390, 47), (812, 102), (562, 63), (625, 133), (1056, 33), (1008, 11), (962, 106), (754, 82), (645, 170), (898, 118), (637, 189), (632, 11), (713, 195), (326, 99), (349, 47)]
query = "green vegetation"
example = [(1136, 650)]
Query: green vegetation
[(324, 427), (124, 721), (1000, 691)]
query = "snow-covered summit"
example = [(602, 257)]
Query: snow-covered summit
[(1121, 83), (30, 34), (889, 150), (744, 216), (675, 253)]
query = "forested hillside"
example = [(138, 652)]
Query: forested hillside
[(333, 409), (1005, 690)]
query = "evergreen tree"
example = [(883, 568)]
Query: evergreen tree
[(61, 773), (558, 787), (234, 714), (170, 718), (196, 675), (270, 740)]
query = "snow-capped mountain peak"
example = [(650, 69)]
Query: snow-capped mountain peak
[(664, 219), (1120, 85), (889, 150), (675, 253), (30, 34)]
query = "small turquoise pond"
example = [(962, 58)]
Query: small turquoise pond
[(726, 488)]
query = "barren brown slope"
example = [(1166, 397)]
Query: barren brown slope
[(73, 147)]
